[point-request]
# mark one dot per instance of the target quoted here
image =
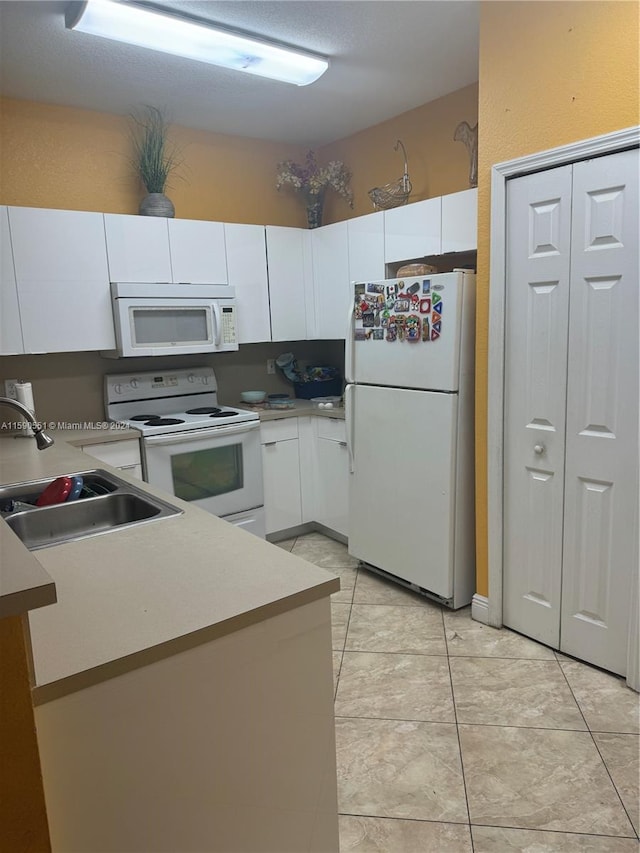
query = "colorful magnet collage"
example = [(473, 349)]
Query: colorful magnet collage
[(393, 312)]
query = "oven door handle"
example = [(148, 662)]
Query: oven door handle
[(199, 434)]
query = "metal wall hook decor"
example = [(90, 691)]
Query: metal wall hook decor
[(395, 193), (469, 137)]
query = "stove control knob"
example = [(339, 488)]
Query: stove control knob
[(191, 377), (134, 382), (118, 388)]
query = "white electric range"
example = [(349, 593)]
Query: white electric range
[(191, 446)]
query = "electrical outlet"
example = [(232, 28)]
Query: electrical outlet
[(10, 388), (271, 365)]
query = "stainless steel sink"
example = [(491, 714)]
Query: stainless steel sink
[(120, 505)]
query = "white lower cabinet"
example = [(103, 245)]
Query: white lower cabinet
[(281, 474), (306, 473), (124, 455), (332, 475)]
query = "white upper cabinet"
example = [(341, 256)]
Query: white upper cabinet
[(197, 251), (62, 278), (366, 247), (412, 231), (290, 283), (330, 247), (247, 269), (460, 221), (10, 327), (157, 249), (138, 248)]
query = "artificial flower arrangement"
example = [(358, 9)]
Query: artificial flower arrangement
[(311, 180)]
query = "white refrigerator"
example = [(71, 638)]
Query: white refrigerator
[(409, 364)]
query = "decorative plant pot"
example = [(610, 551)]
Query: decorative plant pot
[(157, 204)]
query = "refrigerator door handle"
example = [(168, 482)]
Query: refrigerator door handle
[(348, 414), (349, 344)]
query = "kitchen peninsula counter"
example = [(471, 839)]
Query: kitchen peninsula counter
[(132, 596), (183, 682)]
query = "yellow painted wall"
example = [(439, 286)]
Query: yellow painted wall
[(64, 157), (551, 73), (437, 164)]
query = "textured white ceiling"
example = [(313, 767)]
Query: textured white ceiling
[(387, 56)]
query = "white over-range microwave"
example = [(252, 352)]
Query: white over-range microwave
[(172, 319)]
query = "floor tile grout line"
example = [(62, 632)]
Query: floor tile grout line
[(411, 819), (444, 654), (554, 831), (615, 787), (462, 723), (455, 717)]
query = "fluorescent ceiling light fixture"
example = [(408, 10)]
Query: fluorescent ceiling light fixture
[(150, 27)]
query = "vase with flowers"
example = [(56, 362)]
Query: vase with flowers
[(311, 181)]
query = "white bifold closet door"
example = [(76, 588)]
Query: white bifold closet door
[(571, 407)]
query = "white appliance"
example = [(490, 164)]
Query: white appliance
[(409, 412), (172, 319), (191, 446)]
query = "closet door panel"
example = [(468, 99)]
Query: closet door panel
[(538, 252), (601, 472)]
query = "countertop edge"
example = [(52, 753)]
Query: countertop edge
[(80, 681), (24, 584)]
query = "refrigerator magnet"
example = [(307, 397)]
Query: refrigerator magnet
[(425, 305), (425, 330), (426, 286), (359, 335), (375, 288), (437, 306), (392, 290), (413, 328), (368, 319), (401, 305), (378, 334), (392, 332), (413, 288), (359, 289), (435, 317)]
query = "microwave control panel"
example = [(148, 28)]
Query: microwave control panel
[(228, 325)]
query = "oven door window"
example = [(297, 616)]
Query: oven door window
[(208, 473), (159, 326)]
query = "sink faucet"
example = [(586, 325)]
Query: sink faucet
[(42, 439)]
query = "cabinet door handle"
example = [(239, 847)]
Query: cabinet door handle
[(270, 443), (539, 449), (342, 443)]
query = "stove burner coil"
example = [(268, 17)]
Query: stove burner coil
[(144, 417), (204, 410), (164, 421), (222, 414)]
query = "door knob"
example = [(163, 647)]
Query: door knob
[(539, 449)]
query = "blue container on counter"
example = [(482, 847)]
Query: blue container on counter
[(318, 388)]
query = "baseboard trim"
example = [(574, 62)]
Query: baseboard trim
[(480, 608)]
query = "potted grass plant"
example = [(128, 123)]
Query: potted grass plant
[(154, 159)]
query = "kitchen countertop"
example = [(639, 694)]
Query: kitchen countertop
[(130, 597), (302, 407)]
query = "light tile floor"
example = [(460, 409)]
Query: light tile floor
[(453, 737)]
